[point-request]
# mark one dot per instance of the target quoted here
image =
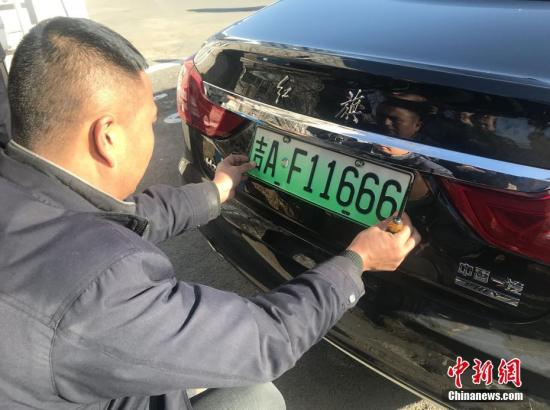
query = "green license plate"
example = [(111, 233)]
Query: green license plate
[(355, 189)]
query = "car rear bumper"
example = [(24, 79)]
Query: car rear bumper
[(398, 329)]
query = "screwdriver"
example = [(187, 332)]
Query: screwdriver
[(396, 223)]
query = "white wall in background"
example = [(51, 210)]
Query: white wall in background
[(50, 8), (17, 17)]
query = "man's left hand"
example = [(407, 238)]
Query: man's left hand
[(229, 174)]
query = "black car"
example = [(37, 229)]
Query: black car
[(355, 110)]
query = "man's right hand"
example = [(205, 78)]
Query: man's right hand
[(382, 250)]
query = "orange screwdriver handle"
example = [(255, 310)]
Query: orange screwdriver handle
[(395, 225)]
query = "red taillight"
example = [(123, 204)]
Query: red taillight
[(516, 222), (197, 111)]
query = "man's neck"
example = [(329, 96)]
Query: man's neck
[(81, 164), (64, 174)]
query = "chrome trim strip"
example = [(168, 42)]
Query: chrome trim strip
[(444, 162), (484, 290)]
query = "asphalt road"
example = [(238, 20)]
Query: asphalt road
[(165, 31)]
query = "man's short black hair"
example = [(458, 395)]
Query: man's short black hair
[(55, 69)]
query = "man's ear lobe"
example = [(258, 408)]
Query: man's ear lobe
[(103, 141)]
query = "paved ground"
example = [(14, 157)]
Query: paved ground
[(167, 30)]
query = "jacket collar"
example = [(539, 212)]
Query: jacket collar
[(68, 190)]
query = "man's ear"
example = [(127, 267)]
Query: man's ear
[(103, 140)]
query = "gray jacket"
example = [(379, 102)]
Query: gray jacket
[(92, 316)]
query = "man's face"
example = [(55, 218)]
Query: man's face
[(139, 136)]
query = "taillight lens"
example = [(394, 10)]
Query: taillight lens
[(516, 222), (197, 111)]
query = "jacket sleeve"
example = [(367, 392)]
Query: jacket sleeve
[(136, 330), (172, 210)]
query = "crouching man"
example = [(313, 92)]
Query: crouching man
[(91, 313)]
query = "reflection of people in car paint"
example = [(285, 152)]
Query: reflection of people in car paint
[(398, 121), (485, 122), (397, 117), (401, 116)]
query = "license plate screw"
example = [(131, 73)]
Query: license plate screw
[(284, 162), (359, 163), (286, 139)]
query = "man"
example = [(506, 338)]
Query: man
[(90, 310)]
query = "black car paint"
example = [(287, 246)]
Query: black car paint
[(496, 46), (412, 324)]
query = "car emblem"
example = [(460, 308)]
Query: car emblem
[(482, 275), (352, 107), (503, 289), (509, 285), (211, 163), (465, 269), (282, 91), (511, 300), (479, 274), (514, 286)]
